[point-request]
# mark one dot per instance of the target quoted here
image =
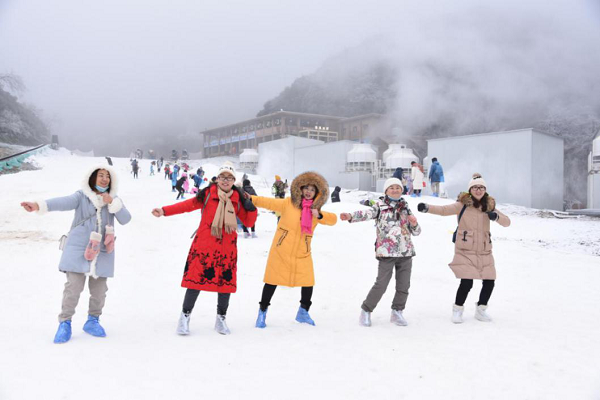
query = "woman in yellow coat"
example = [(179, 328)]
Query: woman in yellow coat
[(290, 261)]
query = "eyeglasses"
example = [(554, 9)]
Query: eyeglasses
[(478, 187), (226, 178)]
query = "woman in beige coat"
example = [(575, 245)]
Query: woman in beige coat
[(473, 257)]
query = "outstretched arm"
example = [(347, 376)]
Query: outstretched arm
[(276, 205)]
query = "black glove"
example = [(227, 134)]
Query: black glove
[(246, 203), (493, 216), (422, 207)]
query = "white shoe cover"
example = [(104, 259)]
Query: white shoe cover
[(221, 325), (457, 312), (397, 318), (365, 318), (481, 314), (183, 326)]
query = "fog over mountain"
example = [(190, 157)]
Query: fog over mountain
[(113, 76)]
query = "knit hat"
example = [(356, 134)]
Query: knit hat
[(277, 178), (390, 182), (476, 181), (227, 167)]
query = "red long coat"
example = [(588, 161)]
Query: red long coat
[(211, 264)]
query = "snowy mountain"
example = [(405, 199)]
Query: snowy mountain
[(19, 123), (541, 344)]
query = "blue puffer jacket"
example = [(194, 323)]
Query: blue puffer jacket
[(87, 203), (436, 173)]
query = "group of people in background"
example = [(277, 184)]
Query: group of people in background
[(212, 261)]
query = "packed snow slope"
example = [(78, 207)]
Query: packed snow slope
[(543, 343)]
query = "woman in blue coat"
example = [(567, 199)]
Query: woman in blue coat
[(89, 248)]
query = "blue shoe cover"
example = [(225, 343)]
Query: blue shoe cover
[(303, 317), (261, 319), (93, 327), (63, 334)]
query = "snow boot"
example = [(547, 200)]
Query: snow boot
[(93, 327), (436, 195), (246, 235), (303, 317), (397, 318), (183, 326), (63, 334), (457, 312), (221, 325), (365, 318), (261, 319), (254, 235), (413, 195), (480, 313)]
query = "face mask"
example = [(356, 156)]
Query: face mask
[(392, 198), (101, 189)]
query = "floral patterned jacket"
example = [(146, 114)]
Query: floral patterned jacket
[(393, 229)]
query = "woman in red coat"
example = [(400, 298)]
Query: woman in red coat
[(211, 263)]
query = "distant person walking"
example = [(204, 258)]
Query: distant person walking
[(418, 178), (335, 195), (247, 186), (436, 176), (135, 168)]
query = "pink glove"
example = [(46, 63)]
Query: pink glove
[(109, 239), (93, 247)]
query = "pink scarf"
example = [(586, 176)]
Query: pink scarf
[(306, 219)]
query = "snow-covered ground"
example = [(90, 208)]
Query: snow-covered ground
[(544, 342)]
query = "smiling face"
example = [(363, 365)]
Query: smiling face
[(394, 191), (309, 192), (225, 181), (103, 178), (477, 191)]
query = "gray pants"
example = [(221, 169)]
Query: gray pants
[(435, 187), (73, 289), (403, 267)]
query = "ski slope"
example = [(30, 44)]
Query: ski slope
[(543, 343)]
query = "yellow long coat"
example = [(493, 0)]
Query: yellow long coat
[(290, 260)]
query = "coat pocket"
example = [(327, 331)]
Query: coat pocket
[(282, 233), (465, 240), (306, 244), (487, 244)]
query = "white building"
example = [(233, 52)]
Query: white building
[(523, 167), (293, 155)]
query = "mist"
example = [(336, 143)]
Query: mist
[(109, 73)]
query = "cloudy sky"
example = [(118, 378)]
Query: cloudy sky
[(97, 67)]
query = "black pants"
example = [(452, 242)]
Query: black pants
[(192, 294), (269, 290), (135, 173), (246, 229), (466, 285), (418, 191), (181, 192)]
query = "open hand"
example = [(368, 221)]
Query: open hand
[(345, 216), (315, 213), (30, 206), (158, 212)]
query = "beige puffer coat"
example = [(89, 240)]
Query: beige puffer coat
[(473, 257)]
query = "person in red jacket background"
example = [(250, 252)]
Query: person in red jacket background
[(211, 263)]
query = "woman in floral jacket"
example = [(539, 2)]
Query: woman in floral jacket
[(393, 248)]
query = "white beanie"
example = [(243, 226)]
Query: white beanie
[(476, 181), (227, 167), (392, 181)]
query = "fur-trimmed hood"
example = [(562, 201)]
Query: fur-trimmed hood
[(310, 178), (466, 199), (114, 182)]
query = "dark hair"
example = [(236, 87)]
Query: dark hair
[(413, 162), (434, 159), (201, 195), (246, 182), (94, 176), (483, 202), (313, 185)]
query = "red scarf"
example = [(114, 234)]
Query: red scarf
[(306, 218)]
